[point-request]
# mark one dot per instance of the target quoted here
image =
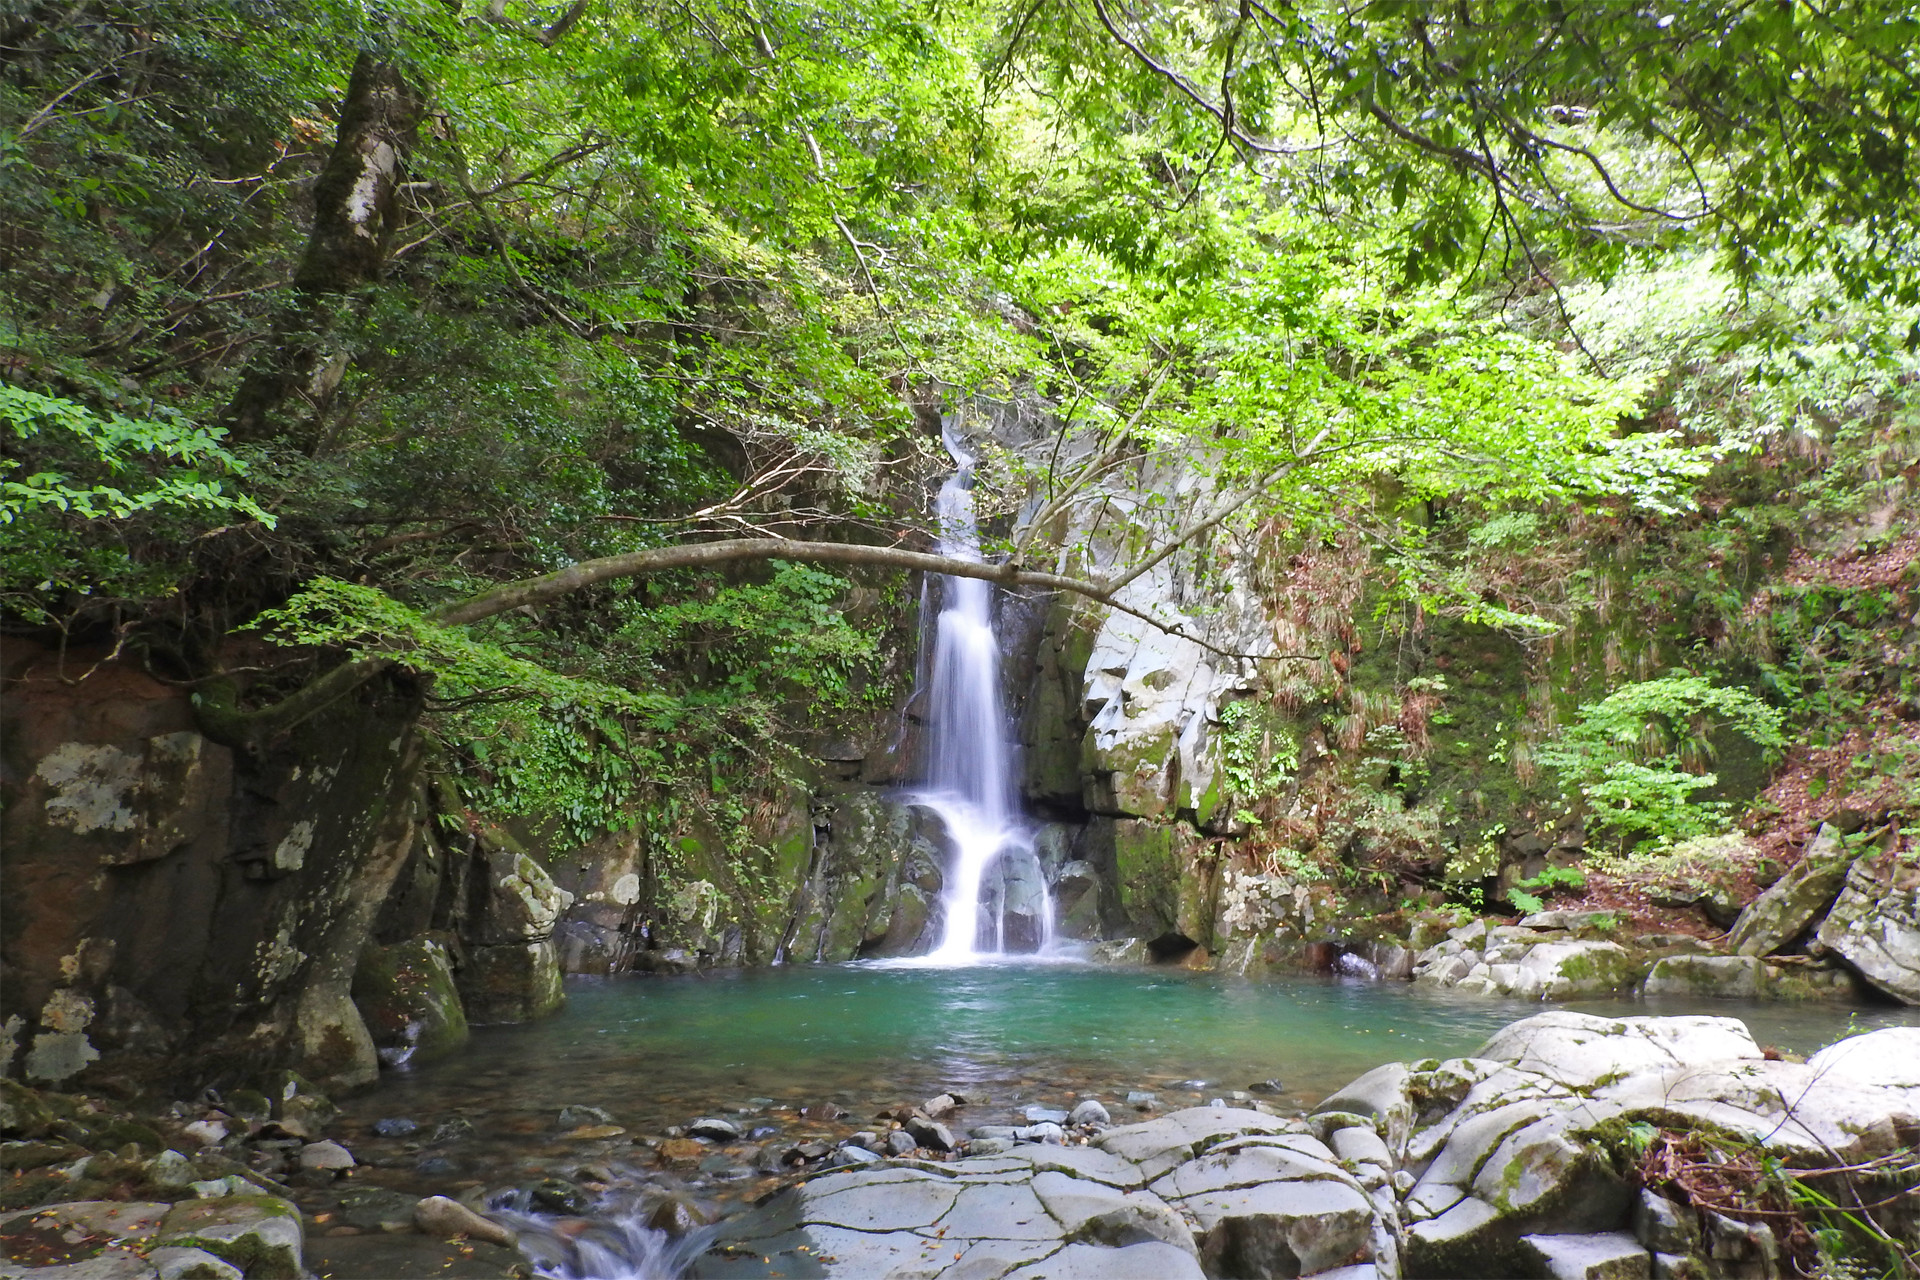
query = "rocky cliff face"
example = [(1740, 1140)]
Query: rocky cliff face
[(181, 906)]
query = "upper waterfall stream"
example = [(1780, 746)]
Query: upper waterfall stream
[(994, 900)]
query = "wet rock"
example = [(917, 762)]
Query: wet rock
[(325, 1155), (931, 1134), (1044, 1132), (989, 1146), (446, 1219), (715, 1129), (1044, 1115), (453, 1129), (851, 1157), (823, 1111), (939, 1105), (1142, 1101), (557, 1195), (577, 1117), (684, 1150), (1265, 1086), (435, 1167), (867, 1139), (397, 1127), (676, 1217), (1090, 1112), (901, 1143)]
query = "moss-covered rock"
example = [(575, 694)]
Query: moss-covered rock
[(407, 995), (261, 1235)]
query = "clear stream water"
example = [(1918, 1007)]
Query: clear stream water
[(660, 1051)]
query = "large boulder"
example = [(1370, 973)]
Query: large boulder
[(406, 994), (1875, 924), (1795, 901)]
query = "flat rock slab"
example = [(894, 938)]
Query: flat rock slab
[(1158, 1145), (1580, 1049), (113, 1264), (1281, 1228)]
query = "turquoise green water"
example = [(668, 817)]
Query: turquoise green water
[(658, 1051)]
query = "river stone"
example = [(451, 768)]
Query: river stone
[(901, 1143), (325, 1155), (1875, 924), (191, 1264), (1046, 1131), (1090, 1112), (1796, 900), (1580, 1049), (1716, 977), (578, 1116), (1604, 1256), (1045, 1115), (438, 1216), (714, 1128)]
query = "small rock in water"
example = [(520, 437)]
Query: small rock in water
[(851, 1157), (1044, 1115), (682, 1151), (939, 1105), (676, 1217), (763, 1131), (325, 1155), (866, 1138), (444, 1218), (901, 1143), (435, 1167), (1090, 1112), (1266, 1086), (452, 1129), (1046, 1132), (579, 1117), (1217, 1102), (398, 1127), (715, 1128), (771, 1158), (823, 1111), (989, 1146), (556, 1195), (1142, 1101), (588, 1132)]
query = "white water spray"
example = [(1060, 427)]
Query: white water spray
[(969, 782)]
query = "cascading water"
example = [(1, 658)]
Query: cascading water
[(969, 782)]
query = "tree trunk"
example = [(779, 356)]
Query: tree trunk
[(288, 386)]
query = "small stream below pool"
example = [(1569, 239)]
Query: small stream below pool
[(783, 1052)]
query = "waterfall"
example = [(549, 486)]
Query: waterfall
[(969, 758)]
